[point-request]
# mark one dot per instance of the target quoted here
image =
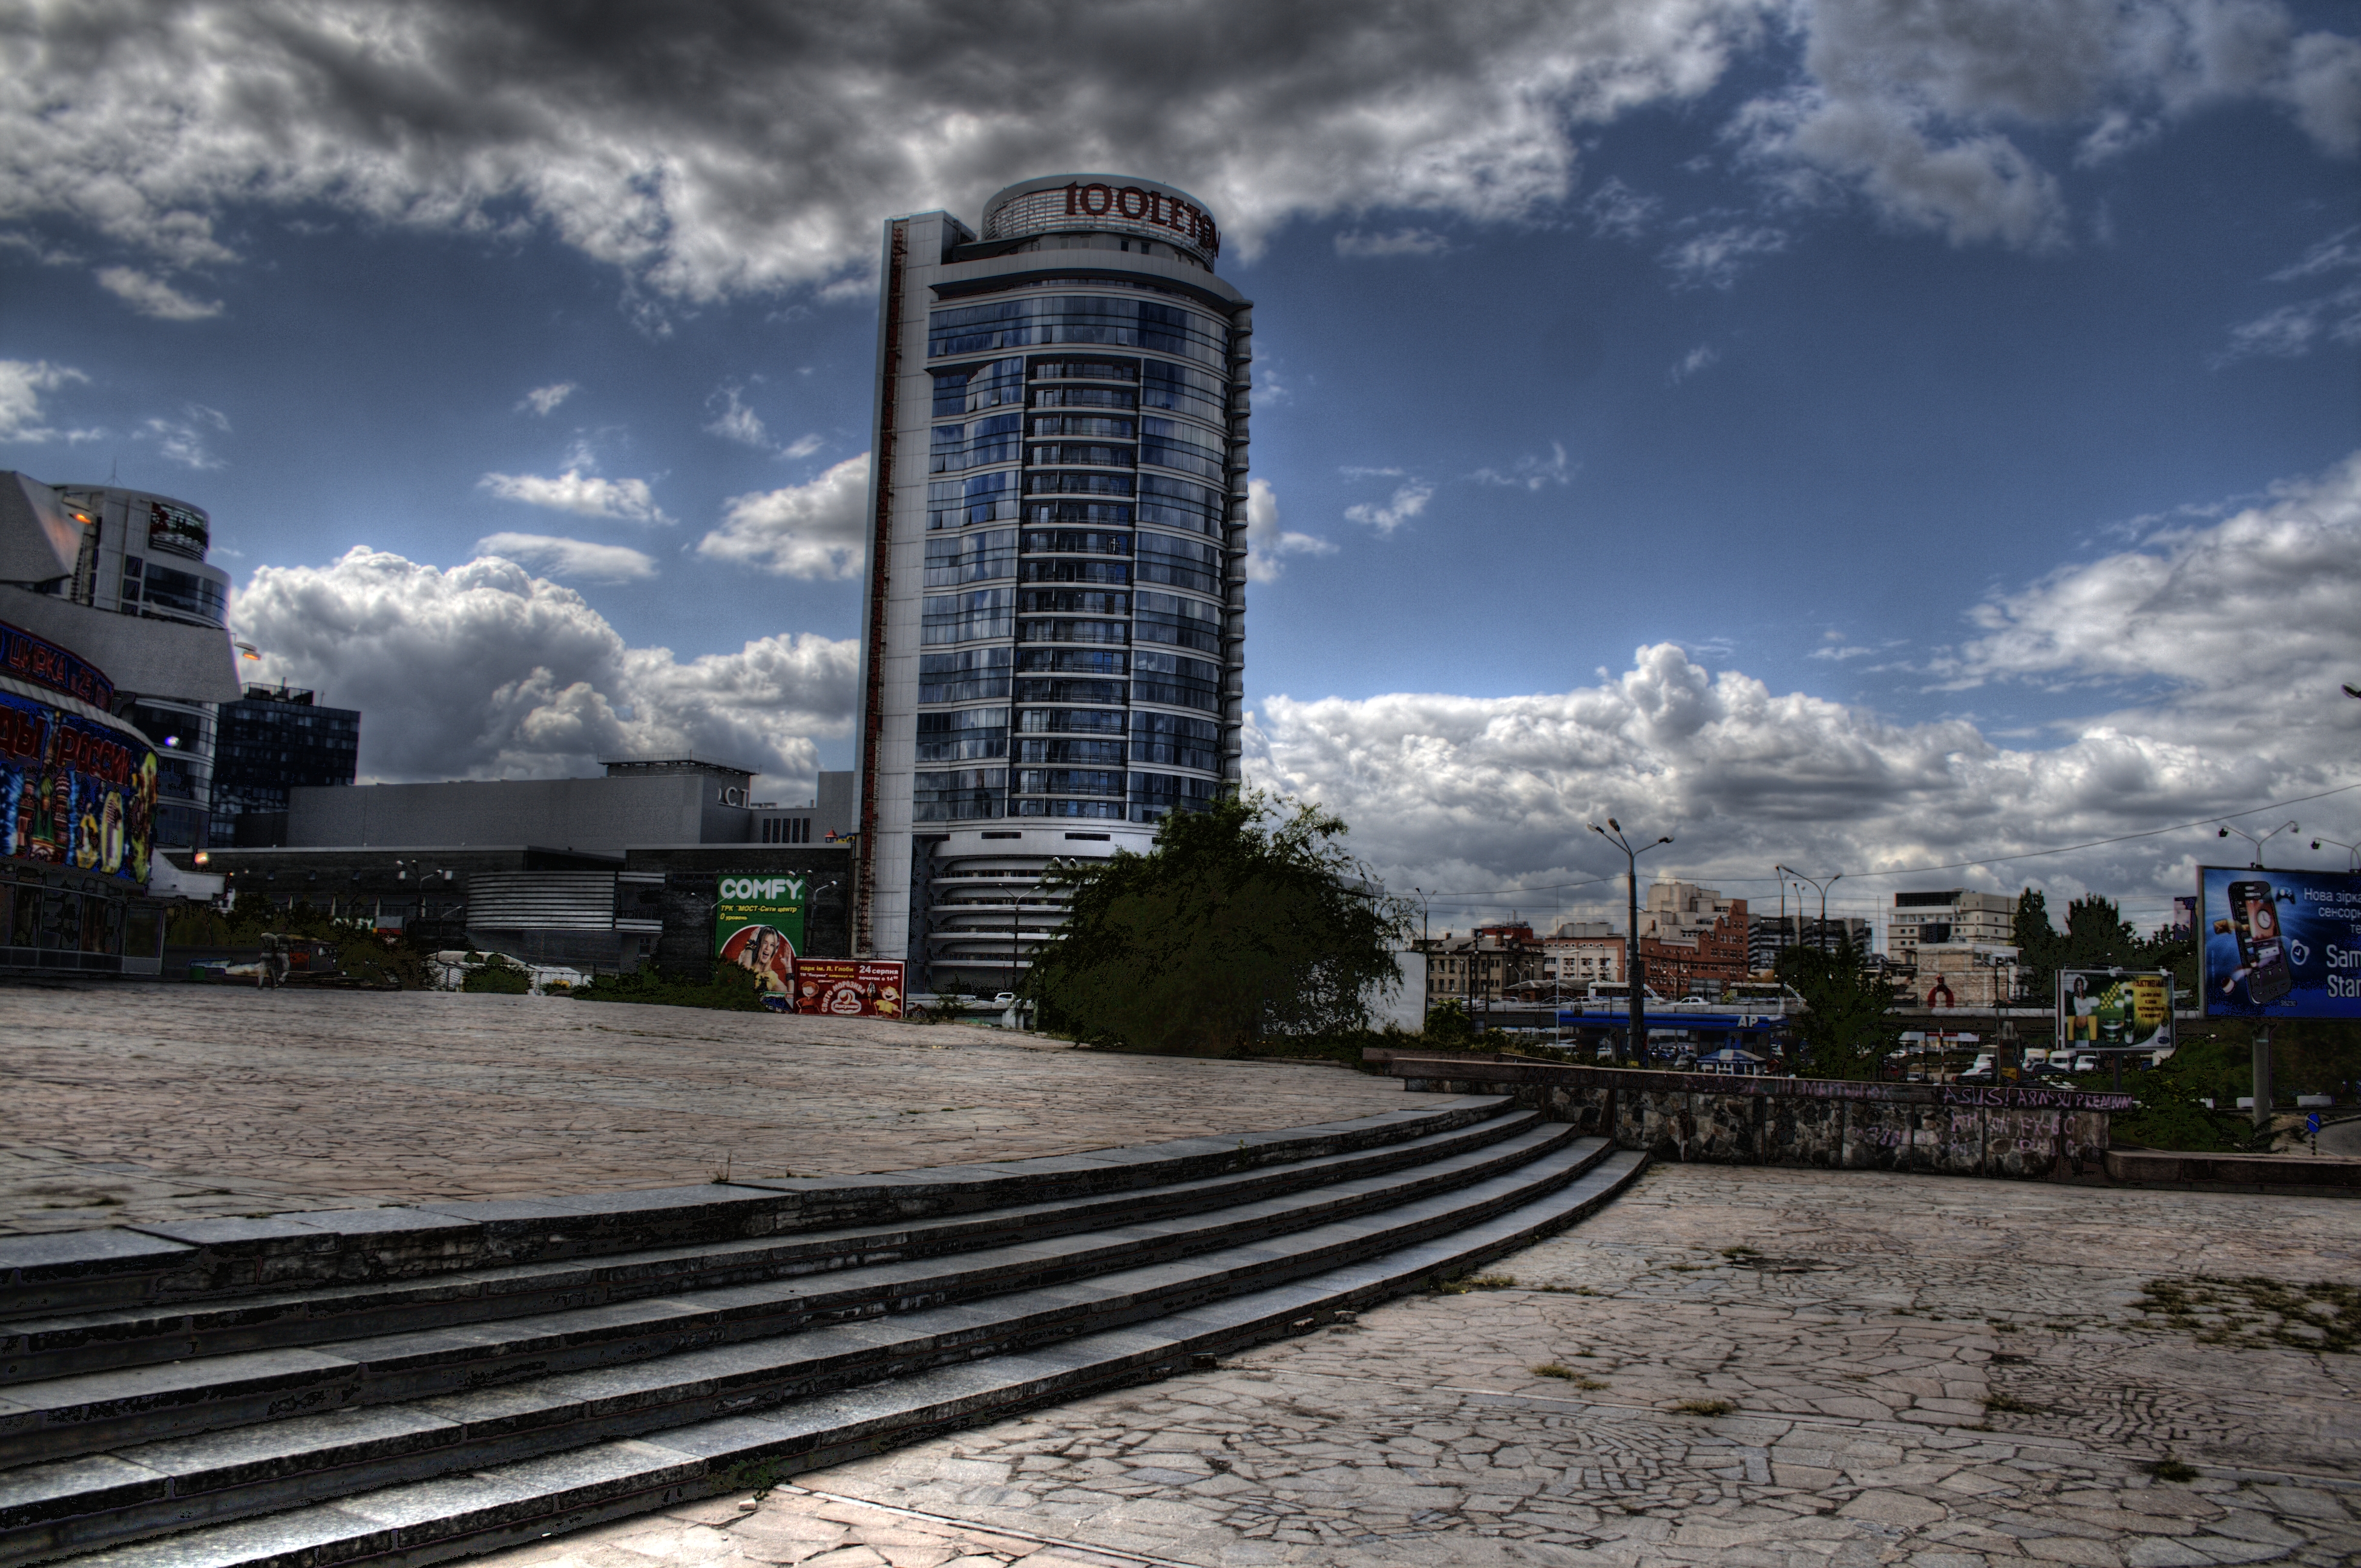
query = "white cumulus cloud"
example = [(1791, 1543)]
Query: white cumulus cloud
[(2211, 656), (1354, 245), (485, 670), (151, 296), (2293, 330), (1695, 360), (563, 557), (22, 382), (1268, 543), (1408, 499), (1714, 259), (735, 422), (1529, 472), (813, 530), (1618, 212), (541, 400), (583, 494), (188, 439)]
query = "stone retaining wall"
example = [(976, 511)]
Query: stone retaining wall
[(2029, 1134)]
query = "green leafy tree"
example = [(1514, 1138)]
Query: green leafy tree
[(2098, 936), (1847, 1032), (1245, 920), (2039, 946)]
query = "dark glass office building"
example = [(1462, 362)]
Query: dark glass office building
[(272, 739), (1055, 628)]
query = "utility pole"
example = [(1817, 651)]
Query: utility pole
[(1634, 973)]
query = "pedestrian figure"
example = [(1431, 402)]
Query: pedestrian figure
[(272, 972)]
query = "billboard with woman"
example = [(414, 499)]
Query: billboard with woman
[(758, 925)]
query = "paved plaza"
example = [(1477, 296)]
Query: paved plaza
[(130, 1103), (1762, 1368), (1935, 1371)]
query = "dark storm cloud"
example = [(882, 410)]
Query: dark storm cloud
[(708, 149)]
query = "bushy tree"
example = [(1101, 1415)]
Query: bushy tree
[(2096, 937), (1846, 1032), (2039, 946), (1246, 920)]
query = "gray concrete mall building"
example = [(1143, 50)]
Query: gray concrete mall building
[(1053, 635)]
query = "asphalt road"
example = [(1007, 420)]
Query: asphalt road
[(2341, 1137)]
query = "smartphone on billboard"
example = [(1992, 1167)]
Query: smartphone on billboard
[(2260, 952)]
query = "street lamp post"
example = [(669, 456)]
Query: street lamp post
[(2352, 852), (1634, 976), (1426, 964), (2225, 831), (1016, 904), (1823, 889)]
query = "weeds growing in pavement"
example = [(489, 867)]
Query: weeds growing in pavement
[(2251, 1310), (1467, 1282)]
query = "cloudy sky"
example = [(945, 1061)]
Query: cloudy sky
[(1870, 434)]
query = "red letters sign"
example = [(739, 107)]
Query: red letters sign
[(1137, 204), (848, 988)]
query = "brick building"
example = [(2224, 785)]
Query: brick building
[(1692, 938)]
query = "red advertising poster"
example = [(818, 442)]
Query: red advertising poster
[(848, 988)]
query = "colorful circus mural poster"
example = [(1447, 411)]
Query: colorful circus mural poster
[(75, 792)]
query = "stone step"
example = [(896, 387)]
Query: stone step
[(37, 1349), (80, 1504), (100, 1270), (409, 1524), (86, 1412)]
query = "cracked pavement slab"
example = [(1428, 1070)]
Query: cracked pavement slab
[(1932, 1371)]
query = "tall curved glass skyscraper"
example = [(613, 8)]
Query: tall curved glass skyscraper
[(1054, 629)]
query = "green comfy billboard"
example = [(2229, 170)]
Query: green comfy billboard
[(758, 925), (2279, 944)]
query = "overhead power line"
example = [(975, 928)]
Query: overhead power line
[(1948, 866)]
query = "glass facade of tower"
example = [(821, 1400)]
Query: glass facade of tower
[(1073, 618), (1075, 653)]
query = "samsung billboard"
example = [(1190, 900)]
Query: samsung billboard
[(2279, 944)]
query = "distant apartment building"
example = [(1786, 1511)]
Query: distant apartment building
[(1691, 939), (1582, 953), (1950, 916), (1482, 966), (1767, 936)]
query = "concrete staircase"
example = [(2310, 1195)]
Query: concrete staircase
[(404, 1385)]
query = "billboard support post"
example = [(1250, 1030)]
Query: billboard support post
[(2262, 1076)]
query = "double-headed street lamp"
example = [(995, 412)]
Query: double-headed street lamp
[(2225, 831), (1633, 977), (1822, 887), (2352, 852)]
